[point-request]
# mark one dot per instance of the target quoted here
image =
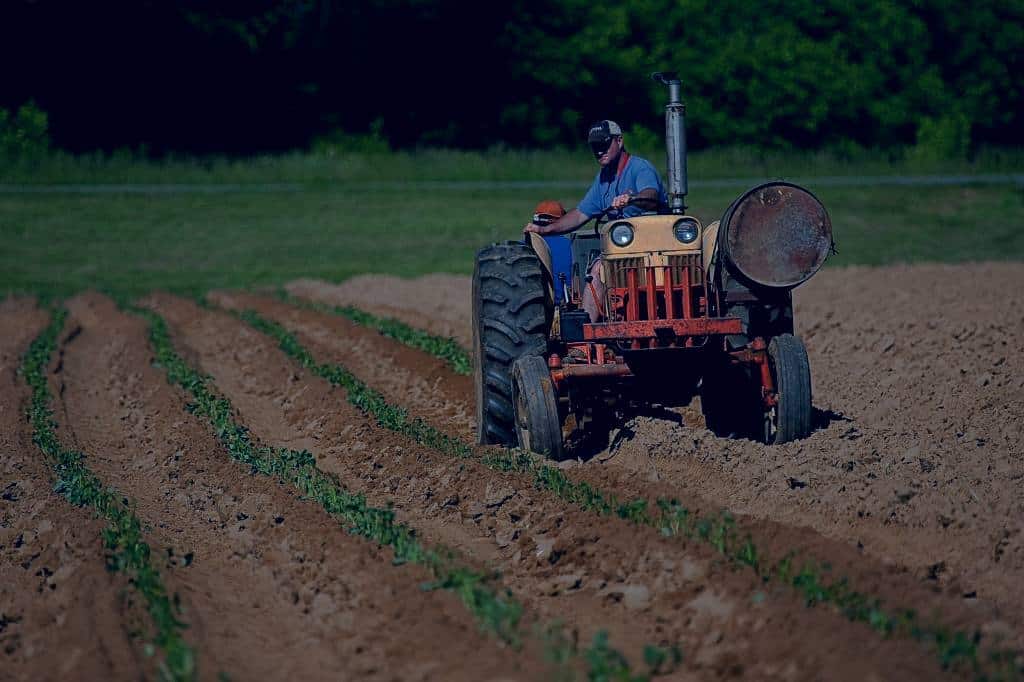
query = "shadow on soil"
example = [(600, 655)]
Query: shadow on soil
[(822, 419), (586, 444)]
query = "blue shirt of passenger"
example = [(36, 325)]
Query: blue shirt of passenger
[(637, 175)]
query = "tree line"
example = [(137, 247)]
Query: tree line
[(242, 76)]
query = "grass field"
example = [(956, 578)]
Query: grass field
[(199, 225)]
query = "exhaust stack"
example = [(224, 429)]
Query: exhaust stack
[(675, 141)]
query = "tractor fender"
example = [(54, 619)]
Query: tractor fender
[(540, 247)]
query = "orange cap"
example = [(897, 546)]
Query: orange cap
[(549, 207)]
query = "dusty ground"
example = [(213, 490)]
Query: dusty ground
[(920, 464), (910, 489), (437, 303), (275, 588), (62, 614), (270, 586), (590, 572)]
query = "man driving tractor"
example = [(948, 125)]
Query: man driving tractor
[(626, 184), (684, 309)]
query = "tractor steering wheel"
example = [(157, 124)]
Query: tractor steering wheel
[(602, 217)]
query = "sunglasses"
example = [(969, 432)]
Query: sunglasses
[(599, 147)]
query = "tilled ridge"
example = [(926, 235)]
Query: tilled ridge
[(920, 463), (423, 384), (55, 592), (270, 584), (561, 562), (917, 466), (892, 583), (894, 586), (440, 304)]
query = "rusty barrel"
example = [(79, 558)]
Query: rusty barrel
[(777, 235)]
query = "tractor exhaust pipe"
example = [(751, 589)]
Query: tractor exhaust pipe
[(675, 141)]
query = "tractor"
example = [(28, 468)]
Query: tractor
[(689, 310)]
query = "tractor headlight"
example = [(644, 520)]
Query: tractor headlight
[(686, 230), (622, 234)]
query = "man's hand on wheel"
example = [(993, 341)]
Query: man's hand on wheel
[(621, 201), (533, 227)]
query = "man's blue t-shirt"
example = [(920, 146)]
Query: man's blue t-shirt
[(637, 175)]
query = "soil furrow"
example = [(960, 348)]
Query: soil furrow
[(882, 580), (561, 562), (328, 341), (271, 586), (437, 303), (421, 383), (919, 464), (55, 592)]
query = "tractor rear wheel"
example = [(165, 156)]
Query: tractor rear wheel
[(790, 418), (512, 312), (535, 405)]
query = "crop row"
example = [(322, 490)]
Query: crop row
[(442, 347), (954, 648), (494, 608), (127, 552)]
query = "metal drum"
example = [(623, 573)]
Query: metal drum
[(776, 235)]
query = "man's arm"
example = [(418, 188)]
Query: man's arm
[(567, 223), (645, 198)]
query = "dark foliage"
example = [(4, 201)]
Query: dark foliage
[(254, 75)]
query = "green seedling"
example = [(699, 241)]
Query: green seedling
[(127, 552), (959, 650), (443, 347), (495, 609)]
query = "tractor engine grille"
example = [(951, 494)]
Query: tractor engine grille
[(620, 266), (691, 261), (673, 289)]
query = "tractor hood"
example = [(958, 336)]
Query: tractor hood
[(655, 233)]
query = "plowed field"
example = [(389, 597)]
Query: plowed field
[(310, 501)]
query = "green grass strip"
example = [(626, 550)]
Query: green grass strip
[(497, 612), (954, 648), (443, 347), (122, 538)]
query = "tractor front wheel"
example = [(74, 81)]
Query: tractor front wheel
[(790, 417), (538, 424)]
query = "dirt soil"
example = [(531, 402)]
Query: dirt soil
[(909, 488), (503, 520), (271, 586), (919, 387), (62, 614), (438, 303)]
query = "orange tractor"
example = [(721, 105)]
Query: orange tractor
[(688, 310)]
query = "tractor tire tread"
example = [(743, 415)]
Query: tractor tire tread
[(793, 385), (512, 313), (535, 407)]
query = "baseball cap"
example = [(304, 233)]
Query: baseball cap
[(603, 130), (547, 212)]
